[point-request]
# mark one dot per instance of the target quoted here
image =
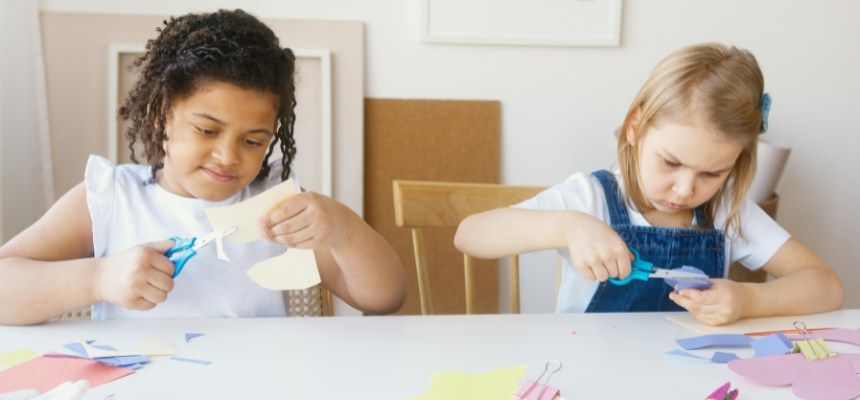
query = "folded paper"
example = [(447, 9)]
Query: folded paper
[(293, 270)]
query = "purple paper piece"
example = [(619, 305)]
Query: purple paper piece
[(680, 284), (727, 339), (833, 335), (771, 345), (191, 360), (826, 378), (723, 358)]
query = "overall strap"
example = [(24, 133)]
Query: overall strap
[(617, 209), (700, 217)]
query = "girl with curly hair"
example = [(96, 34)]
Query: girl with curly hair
[(216, 95)]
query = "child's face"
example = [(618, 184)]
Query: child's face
[(217, 138), (683, 163)]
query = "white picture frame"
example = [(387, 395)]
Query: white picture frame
[(590, 23), (324, 57)]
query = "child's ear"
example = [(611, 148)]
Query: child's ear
[(631, 128)]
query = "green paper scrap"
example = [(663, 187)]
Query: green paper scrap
[(499, 383), (15, 357)]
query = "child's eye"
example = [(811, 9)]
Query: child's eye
[(204, 131), (253, 143), (712, 174), (671, 164)]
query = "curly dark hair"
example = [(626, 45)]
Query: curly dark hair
[(228, 46)]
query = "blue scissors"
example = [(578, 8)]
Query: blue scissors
[(185, 248), (644, 270)]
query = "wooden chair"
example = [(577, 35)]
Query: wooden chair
[(420, 205)]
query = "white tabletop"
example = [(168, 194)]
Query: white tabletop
[(605, 356)]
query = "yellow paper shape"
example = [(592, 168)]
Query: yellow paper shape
[(746, 326), (497, 384), (294, 270), (813, 352), (246, 215), (15, 357)]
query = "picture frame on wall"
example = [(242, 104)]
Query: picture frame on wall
[(591, 23)]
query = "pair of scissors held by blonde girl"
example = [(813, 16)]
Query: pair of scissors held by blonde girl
[(186, 248), (685, 277)]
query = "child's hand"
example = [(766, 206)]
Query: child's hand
[(137, 278), (308, 221), (722, 303), (597, 251)]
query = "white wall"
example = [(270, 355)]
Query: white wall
[(560, 105), (22, 190)]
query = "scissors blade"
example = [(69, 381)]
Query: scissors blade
[(204, 240), (675, 274)]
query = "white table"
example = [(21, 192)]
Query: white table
[(611, 356)]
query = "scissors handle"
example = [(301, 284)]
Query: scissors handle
[(180, 253), (639, 269)]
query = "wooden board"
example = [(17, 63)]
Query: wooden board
[(431, 140)]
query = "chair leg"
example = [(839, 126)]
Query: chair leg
[(514, 285), (421, 273), (468, 274)]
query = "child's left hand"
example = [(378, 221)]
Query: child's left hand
[(307, 220), (721, 304)]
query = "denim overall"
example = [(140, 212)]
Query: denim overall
[(664, 247)]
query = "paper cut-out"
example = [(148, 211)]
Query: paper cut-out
[(496, 384), (841, 335), (698, 342), (246, 215), (718, 357), (771, 345), (133, 361), (15, 357), (192, 335), (827, 378), (147, 347), (680, 284), (722, 357), (296, 268), (745, 326), (191, 360), (45, 373)]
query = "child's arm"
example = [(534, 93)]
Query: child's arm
[(48, 269), (595, 249), (804, 284), (354, 261)]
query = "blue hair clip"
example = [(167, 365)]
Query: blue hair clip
[(764, 108)]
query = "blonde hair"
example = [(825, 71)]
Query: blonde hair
[(725, 86)]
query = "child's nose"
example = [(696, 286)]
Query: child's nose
[(684, 186), (227, 153)]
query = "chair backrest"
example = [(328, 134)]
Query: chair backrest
[(419, 205)]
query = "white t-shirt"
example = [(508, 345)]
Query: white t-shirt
[(583, 192), (128, 209)]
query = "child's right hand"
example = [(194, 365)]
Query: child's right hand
[(137, 278), (597, 251)]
